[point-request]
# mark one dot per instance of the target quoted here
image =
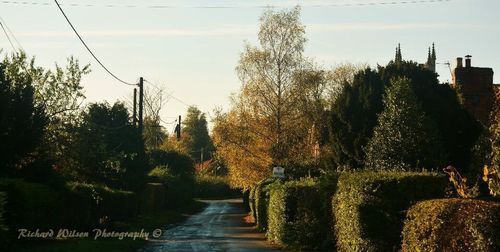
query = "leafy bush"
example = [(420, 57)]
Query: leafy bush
[(295, 214), (215, 187), (161, 174), (178, 163), (452, 225), (369, 206)]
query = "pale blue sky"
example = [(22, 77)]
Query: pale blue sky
[(192, 49)]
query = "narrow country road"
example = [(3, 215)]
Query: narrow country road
[(220, 227)]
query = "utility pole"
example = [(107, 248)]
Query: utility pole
[(135, 108), (141, 105), (178, 129)]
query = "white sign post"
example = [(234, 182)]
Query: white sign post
[(278, 172)]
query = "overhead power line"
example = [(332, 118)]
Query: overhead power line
[(2, 21), (170, 95), (90, 51), (374, 3), (7, 36)]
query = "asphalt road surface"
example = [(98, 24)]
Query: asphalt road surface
[(220, 227)]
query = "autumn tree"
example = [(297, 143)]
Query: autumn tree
[(245, 151), (276, 117), (405, 138), (267, 73)]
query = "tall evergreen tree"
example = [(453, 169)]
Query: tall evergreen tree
[(405, 137), (353, 117), (458, 129), (195, 135)]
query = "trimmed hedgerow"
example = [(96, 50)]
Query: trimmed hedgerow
[(369, 207), (261, 199), (3, 226), (215, 187), (114, 205), (30, 205), (251, 200), (296, 214), (452, 225)]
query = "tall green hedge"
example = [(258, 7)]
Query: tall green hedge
[(37, 206), (369, 207), (261, 199), (296, 214), (251, 199), (452, 225)]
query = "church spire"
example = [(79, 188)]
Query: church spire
[(431, 59), (433, 53), (398, 58)]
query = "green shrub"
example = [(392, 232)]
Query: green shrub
[(452, 225), (160, 174), (214, 187), (178, 163), (296, 214), (261, 199), (369, 207)]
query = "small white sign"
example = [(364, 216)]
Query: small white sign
[(278, 172)]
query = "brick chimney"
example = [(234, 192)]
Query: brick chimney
[(459, 62), (468, 61)]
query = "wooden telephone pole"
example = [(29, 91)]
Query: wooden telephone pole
[(134, 115), (141, 105)]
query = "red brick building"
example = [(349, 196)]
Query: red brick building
[(475, 85)]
